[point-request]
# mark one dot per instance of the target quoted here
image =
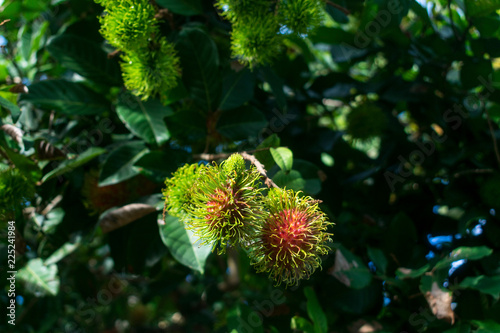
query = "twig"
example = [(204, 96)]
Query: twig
[(51, 205), (475, 171), (4, 21), (492, 132), (339, 7), (259, 168), (4, 155), (113, 54)]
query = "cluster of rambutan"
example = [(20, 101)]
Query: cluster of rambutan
[(260, 25), (284, 232), (150, 65)]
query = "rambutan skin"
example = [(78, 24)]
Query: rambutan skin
[(292, 238), (227, 204)]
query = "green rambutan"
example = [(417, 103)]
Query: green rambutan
[(292, 238), (152, 70), (227, 204), (177, 193), (128, 24), (301, 16), (256, 39)]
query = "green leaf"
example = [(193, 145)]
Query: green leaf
[(85, 58), (144, 119), (40, 280), (242, 123), (69, 165), (350, 270), (119, 165), (182, 7), (200, 67), (486, 326), (63, 251), (464, 252), (241, 318), (14, 109), (157, 165), (265, 156), (283, 157), (481, 7), (315, 311), (485, 284), (301, 324), (25, 165), (276, 84), (310, 174), (412, 273), (291, 180), (237, 89), (379, 259), (69, 98), (474, 69), (182, 244)]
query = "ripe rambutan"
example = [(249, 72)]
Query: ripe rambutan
[(292, 238), (227, 204)]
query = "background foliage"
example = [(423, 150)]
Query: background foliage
[(390, 111)]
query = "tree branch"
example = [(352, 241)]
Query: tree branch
[(259, 168), (473, 171), (339, 7)]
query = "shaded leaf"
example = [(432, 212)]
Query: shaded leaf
[(14, 109), (485, 284), (265, 156), (464, 252), (200, 67), (481, 7), (63, 251), (119, 165), (301, 324), (241, 123), (315, 311), (71, 164), (237, 89), (183, 245), (69, 98), (85, 58), (350, 270), (144, 119), (292, 180)]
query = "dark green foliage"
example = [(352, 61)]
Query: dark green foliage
[(386, 112)]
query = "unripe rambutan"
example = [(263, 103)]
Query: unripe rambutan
[(128, 24), (177, 194), (301, 16), (227, 204), (292, 238)]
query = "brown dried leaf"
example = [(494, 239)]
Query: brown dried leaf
[(14, 132), (124, 215), (19, 89), (440, 303), (46, 151)]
